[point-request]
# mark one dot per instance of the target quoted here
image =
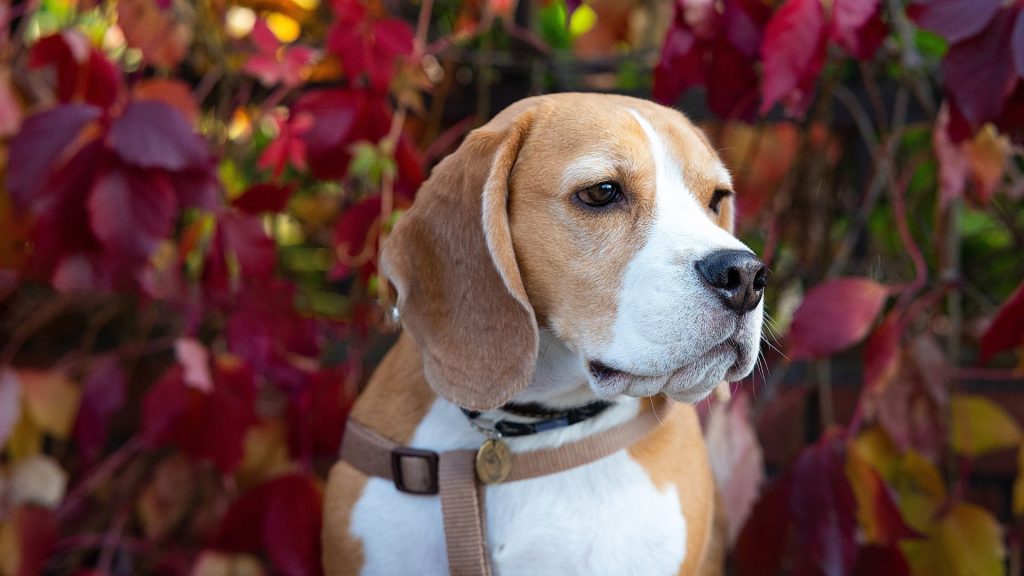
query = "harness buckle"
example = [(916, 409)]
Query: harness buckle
[(428, 480)]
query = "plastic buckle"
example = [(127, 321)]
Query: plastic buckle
[(428, 456)]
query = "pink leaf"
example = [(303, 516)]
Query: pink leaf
[(1007, 328), (10, 403), (793, 53), (10, 108), (736, 459), (152, 134), (195, 360), (954, 163), (834, 316), (849, 15), (857, 26)]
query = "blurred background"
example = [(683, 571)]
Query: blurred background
[(194, 198)]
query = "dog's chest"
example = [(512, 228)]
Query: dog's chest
[(603, 518)]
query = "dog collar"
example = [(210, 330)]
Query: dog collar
[(458, 474), (551, 419)]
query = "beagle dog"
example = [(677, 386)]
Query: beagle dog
[(576, 249)]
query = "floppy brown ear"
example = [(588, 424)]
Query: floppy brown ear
[(451, 260)]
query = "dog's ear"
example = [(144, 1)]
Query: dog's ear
[(451, 260)]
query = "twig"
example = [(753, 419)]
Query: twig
[(36, 321), (100, 474)]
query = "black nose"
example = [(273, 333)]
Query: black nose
[(737, 276)]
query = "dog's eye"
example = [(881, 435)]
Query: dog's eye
[(717, 198), (601, 194)]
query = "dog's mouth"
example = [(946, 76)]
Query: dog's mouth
[(719, 360)]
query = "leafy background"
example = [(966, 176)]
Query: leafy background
[(195, 194)]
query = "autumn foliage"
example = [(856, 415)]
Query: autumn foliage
[(195, 195)]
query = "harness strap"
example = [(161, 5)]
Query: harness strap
[(453, 475)]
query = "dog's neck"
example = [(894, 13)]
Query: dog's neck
[(559, 380)]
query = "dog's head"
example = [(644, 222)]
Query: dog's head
[(605, 219)]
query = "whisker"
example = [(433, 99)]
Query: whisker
[(654, 408)]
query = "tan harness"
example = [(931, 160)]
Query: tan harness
[(461, 475)]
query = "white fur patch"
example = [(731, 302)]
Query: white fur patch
[(605, 518)]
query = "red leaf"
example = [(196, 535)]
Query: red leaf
[(761, 545), (152, 134), (83, 72), (62, 229), (316, 416), (824, 517), (244, 237), (351, 237), (793, 53), (880, 560), (206, 426), (198, 187), (1007, 328), (131, 211), (103, 394), (955, 20), (36, 532), (979, 71), (339, 118), (281, 517), (834, 316), (731, 82), (680, 66), (40, 145), (274, 339), (882, 351), (367, 47), (264, 197)]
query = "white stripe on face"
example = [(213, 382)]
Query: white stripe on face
[(667, 319)]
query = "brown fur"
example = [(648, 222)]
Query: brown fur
[(689, 471), (395, 401)]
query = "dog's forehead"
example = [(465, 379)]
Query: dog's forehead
[(594, 128)]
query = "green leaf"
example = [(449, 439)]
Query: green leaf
[(966, 541), (980, 426), (930, 44)]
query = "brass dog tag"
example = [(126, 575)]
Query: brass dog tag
[(493, 461)]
